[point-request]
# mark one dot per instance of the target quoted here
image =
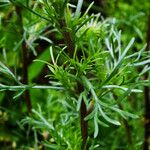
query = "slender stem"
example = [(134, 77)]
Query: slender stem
[(127, 128), (67, 38), (24, 61), (83, 110), (147, 99), (25, 76), (125, 122), (84, 125)]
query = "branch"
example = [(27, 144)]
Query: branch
[(24, 60), (147, 98), (68, 38)]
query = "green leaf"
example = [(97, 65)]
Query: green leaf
[(102, 123), (117, 66), (50, 145), (124, 114), (19, 94), (50, 126), (90, 116), (3, 4), (79, 102), (141, 63), (121, 87), (115, 122), (78, 9), (96, 127), (7, 71)]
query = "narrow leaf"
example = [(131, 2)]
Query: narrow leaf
[(79, 102), (115, 122), (78, 9), (96, 127)]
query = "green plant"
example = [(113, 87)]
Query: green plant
[(91, 74)]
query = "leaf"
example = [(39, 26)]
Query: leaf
[(126, 93), (141, 63), (79, 102), (122, 88), (90, 116), (124, 114), (126, 50), (102, 123), (51, 69), (130, 115), (115, 69), (87, 10), (3, 4), (115, 122), (31, 10), (78, 9), (146, 69), (96, 127), (84, 22), (18, 45), (19, 94), (7, 71), (52, 55), (110, 48), (138, 31), (50, 145), (138, 54), (46, 39), (43, 119)]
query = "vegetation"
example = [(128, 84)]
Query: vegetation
[(74, 75)]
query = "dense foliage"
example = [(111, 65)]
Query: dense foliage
[(72, 74)]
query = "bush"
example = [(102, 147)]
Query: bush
[(75, 72)]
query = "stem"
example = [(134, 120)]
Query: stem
[(24, 61), (125, 122), (25, 76), (84, 125), (147, 99), (83, 110), (67, 38), (127, 128)]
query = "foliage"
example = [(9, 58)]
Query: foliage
[(73, 57)]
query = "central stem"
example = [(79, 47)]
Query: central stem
[(83, 110), (24, 60), (84, 125)]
